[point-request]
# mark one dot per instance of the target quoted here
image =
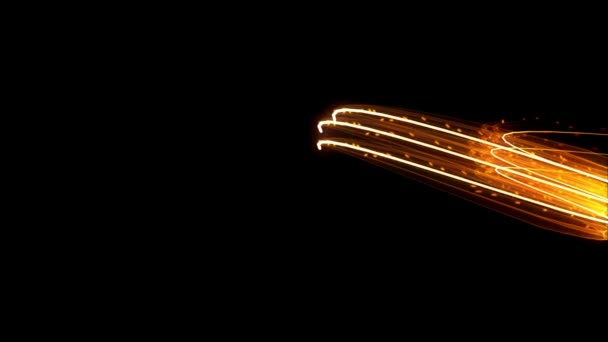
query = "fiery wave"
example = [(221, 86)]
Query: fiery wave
[(522, 174)]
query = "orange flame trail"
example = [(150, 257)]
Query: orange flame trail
[(522, 174)]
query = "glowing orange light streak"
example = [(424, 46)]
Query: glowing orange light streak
[(526, 174), (553, 195), (363, 111), (481, 185), (497, 167), (504, 138), (552, 182)]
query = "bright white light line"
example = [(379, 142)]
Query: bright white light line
[(496, 167), (481, 185), (552, 182), (363, 111), (550, 194)]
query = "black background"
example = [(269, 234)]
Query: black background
[(292, 227)]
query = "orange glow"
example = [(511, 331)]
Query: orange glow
[(522, 174)]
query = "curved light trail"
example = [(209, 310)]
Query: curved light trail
[(522, 174)]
